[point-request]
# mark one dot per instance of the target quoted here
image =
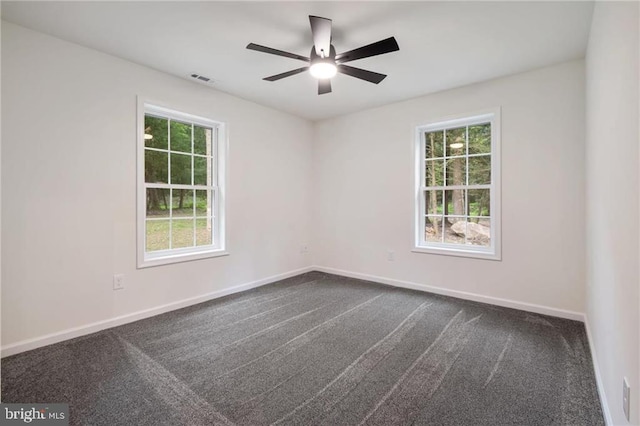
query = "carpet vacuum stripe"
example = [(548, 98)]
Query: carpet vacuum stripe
[(424, 376), (300, 340), (186, 403), (333, 392)]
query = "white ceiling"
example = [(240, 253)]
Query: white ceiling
[(442, 44)]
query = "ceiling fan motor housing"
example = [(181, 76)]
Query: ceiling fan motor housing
[(331, 58)]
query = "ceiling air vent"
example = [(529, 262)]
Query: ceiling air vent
[(201, 78)]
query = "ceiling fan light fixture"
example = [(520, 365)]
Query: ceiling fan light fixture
[(323, 70)]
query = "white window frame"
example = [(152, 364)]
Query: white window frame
[(420, 245), (164, 257)]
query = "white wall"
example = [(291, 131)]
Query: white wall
[(612, 200), (69, 188), (364, 181)]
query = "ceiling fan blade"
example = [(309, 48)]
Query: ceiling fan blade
[(286, 74), (324, 86), (264, 49), (370, 76), (321, 31), (378, 48)]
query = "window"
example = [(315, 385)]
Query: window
[(180, 187), (458, 187)]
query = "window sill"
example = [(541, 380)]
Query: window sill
[(149, 262), (445, 251)]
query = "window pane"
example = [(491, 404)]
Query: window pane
[(181, 233), (203, 231), (479, 231), (157, 235), (480, 170), (456, 139), (480, 139), (433, 229), (182, 202), (456, 171), (479, 202), (180, 169), (454, 202), (202, 140), (180, 137), (434, 144), (454, 230), (155, 132), (457, 229), (202, 169), (433, 202), (204, 203), (157, 202), (434, 171), (156, 166)]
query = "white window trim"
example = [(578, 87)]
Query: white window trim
[(145, 260), (494, 252)]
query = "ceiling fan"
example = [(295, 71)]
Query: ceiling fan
[(323, 61)]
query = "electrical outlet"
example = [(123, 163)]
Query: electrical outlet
[(626, 397), (118, 282), (391, 255), (304, 249)]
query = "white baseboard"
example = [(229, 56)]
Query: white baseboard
[(603, 398), (529, 307), (27, 345)]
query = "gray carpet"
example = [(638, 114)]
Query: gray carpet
[(320, 349)]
